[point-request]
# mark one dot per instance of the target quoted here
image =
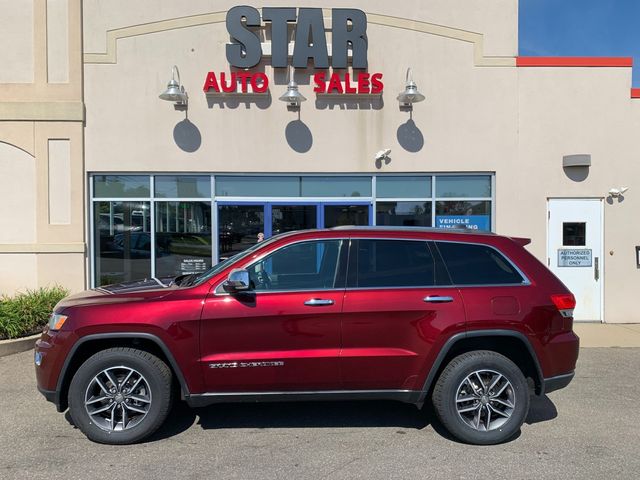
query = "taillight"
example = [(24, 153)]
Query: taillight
[(565, 303)]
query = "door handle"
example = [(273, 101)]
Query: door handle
[(437, 299), (318, 302), (596, 269)]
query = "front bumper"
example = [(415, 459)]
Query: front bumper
[(559, 381), (50, 395)]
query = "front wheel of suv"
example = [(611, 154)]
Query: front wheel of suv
[(481, 398), (120, 395)]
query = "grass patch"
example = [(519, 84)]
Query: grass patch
[(27, 313)]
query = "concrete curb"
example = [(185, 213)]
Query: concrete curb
[(17, 345)]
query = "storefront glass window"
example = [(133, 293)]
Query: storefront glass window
[(403, 187), (463, 186), (338, 215), (475, 215), (405, 214), (121, 186), (265, 186), (122, 241), (183, 238), (336, 187), (287, 218), (173, 186), (238, 228)]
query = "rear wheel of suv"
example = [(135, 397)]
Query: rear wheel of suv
[(481, 397), (120, 395)]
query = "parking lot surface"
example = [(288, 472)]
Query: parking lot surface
[(589, 430)]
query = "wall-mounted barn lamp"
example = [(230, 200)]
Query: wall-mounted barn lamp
[(292, 96), (410, 95), (175, 91)]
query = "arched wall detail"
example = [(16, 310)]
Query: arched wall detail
[(477, 39)]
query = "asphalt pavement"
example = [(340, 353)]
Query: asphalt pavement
[(590, 430)]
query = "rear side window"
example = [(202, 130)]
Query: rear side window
[(391, 263), (471, 264)]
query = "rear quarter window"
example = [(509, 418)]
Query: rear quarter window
[(472, 264)]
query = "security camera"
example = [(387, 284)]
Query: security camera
[(383, 154), (616, 192)]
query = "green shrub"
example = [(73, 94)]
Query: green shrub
[(27, 313)]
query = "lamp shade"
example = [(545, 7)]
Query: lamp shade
[(292, 96), (174, 92), (410, 94)]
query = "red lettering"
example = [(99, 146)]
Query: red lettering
[(211, 82), (321, 84), (376, 83), (232, 86), (347, 84), (259, 82), (335, 84), (243, 77), (363, 82)]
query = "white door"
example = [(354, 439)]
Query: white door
[(574, 251)]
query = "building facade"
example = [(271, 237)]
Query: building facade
[(102, 181)]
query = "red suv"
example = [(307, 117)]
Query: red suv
[(472, 322)]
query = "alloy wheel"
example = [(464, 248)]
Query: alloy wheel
[(485, 400), (118, 398)]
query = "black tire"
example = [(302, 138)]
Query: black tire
[(156, 376), (463, 425)]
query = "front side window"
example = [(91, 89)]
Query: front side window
[(391, 263), (300, 266), (472, 264)]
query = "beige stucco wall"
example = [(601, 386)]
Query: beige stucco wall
[(42, 211)]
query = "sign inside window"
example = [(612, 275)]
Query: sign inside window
[(472, 222)]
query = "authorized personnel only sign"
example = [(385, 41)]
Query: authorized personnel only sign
[(568, 257)]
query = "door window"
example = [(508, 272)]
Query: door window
[(300, 266), (574, 234), (472, 264), (391, 263)]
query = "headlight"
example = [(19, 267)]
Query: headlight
[(56, 321)]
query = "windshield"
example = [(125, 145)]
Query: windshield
[(206, 275)]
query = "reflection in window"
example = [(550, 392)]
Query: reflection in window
[(182, 186), (287, 218), (470, 264), (574, 234), (183, 238), (122, 241), (338, 215), (301, 266), (393, 263), (263, 186), (336, 187), (463, 186), (404, 214), (121, 186), (239, 227), (403, 187)]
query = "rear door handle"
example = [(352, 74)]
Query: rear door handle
[(437, 299), (318, 302)]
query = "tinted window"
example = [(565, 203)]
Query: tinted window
[(470, 264), (393, 263), (301, 266)]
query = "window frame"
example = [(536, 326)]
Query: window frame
[(525, 279), (342, 267)]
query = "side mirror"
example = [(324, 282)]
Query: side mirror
[(237, 281)]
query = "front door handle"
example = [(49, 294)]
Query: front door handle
[(437, 299), (318, 302), (596, 269)]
